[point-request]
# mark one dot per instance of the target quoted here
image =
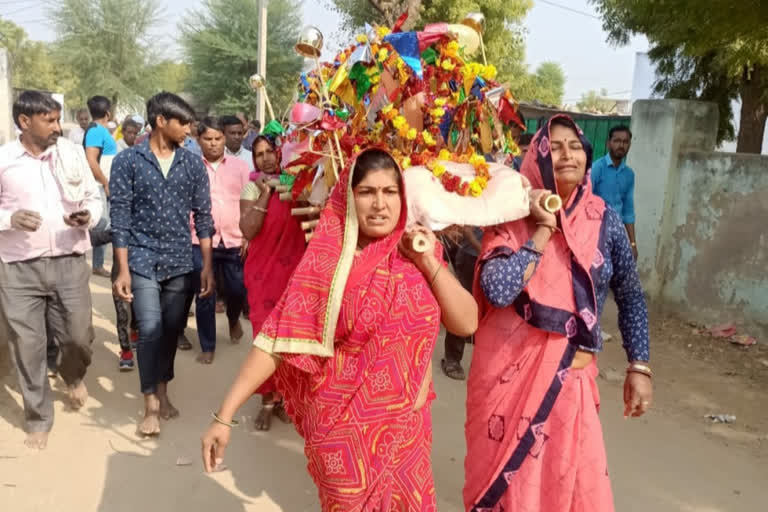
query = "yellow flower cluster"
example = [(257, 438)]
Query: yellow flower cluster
[(402, 71), (382, 31), (383, 54), (438, 170), (452, 50), (475, 188), (474, 69), (399, 122), (438, 112), (428, 139), (447, 65)]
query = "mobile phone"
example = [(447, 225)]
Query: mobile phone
[(81, 213)]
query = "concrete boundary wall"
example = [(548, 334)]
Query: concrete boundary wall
[(702, 216)]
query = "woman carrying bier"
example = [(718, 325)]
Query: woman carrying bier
[(534, 440), (350, 345), (276, 244)]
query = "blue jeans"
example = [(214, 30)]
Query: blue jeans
[(100, 233), (160, 316), (228, 272)]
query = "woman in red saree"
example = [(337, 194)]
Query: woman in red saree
[(534, 440), (350, 346), (276, 244)]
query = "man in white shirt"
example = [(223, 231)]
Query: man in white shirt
[(233, 140), (48, 200), (77, 133)]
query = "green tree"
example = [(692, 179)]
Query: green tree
[(550, 83), (595, 102), (700, 55), (170, 76), (108, 45), (220, 42), (33, 66)]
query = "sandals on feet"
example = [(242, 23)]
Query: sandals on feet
[(183, 343), (452, 369)]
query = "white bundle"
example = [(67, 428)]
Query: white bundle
[(429, 204)]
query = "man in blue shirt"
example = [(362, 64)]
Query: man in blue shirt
[(614, 181), (155, 187), (100, 150)]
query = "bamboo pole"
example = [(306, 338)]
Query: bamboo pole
[(305, 210)]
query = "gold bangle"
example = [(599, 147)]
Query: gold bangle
[(434, 276), (640, 368), (230, 424)]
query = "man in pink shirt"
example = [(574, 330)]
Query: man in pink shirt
[(227, 175), (48, 200)]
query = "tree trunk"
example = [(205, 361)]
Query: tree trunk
[(754, 111)]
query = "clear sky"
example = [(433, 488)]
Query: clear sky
[(554, 33)]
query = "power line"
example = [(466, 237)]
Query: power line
[(566, 8), (23, 9), (18, 2)]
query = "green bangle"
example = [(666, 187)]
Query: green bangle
[(434, 276)]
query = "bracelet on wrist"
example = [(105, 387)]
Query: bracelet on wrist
[(259, 208), (230, 424), (640, 368), (434, 276)]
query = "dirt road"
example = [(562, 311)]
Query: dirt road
[(672, 460)]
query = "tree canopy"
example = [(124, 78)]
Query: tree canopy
[(712, 50), (504, 36), (221, 46), (108, 45), (596, 102), (32, 62)]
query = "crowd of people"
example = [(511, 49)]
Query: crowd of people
[(344, 326)]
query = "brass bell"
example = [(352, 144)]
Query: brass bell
[(256, 81), (475, 20), (310, 43)]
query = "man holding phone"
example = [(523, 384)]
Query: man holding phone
[(48, 200)]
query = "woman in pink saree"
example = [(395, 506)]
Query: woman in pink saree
[(534, 440), (350, 345), (276, 244)]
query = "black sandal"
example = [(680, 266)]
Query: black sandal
[(452, 369)]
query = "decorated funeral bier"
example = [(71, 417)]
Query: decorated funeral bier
[(420, 95)]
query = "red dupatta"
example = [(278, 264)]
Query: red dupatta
[(306, 317)]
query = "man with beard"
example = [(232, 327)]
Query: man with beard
[(48, 200), (614, 180), (156, 185), (227, 175)]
